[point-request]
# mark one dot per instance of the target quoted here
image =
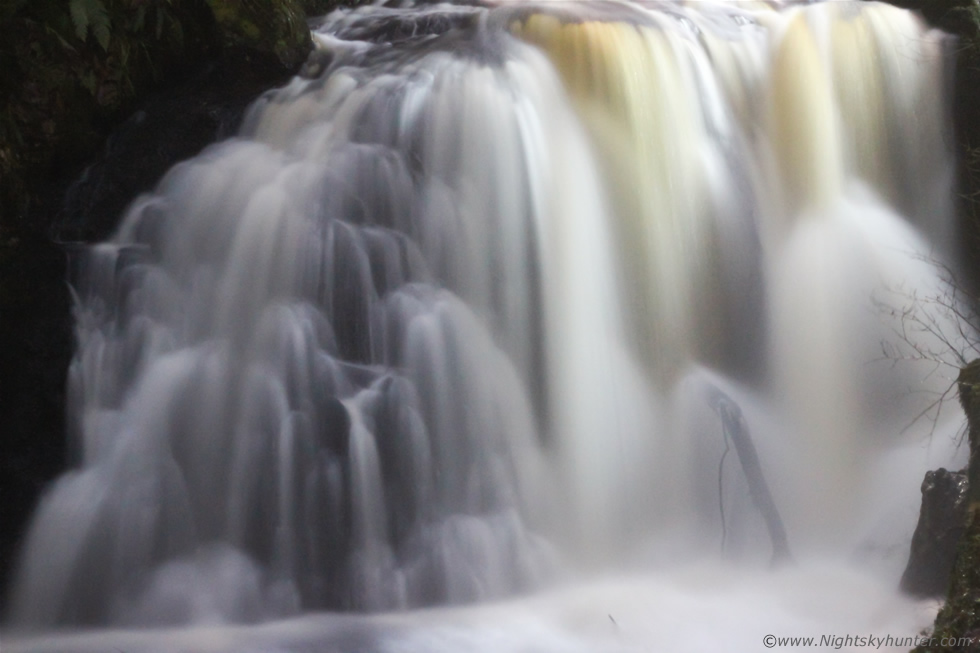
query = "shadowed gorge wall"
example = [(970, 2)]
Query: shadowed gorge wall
[(439, 324), (468, 265), (67, 81), (961, 18)]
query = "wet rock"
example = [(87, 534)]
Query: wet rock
[(35, 332), (78, 207), (959, 615), (210, 106), (941, 525), (276, 27), (189, 70)]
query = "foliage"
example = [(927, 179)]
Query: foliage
[(90, 15), (71, 68), (64, 66), (270, 26), (960, 616)]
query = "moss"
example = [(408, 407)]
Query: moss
[(318, 7), (71, 69), (276, 27), (66, 75), (960, 616)]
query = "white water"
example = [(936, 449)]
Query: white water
[(436, 329)]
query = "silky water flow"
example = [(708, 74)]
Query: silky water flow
[(430, 356)]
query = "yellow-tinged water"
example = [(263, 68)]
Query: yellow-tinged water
[(440, 327)]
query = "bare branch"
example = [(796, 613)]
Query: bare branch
[(942, 329)]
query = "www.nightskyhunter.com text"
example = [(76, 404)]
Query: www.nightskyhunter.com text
[(868, 641)]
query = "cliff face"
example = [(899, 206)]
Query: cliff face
[(961, 18), (960, 616), (98, 98), (937, 534), (70, 71)]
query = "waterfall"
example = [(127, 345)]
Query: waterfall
[(439, 325)]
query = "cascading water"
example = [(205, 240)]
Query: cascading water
[(440, 325)]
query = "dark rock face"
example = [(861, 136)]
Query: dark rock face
[(959, 617), (171, 126), (35, 306), (962, 19), (35, 332), (942, 521), (276, 27), (194, 68)]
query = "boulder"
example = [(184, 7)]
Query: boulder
[(941, 524)]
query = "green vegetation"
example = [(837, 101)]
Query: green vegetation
[(67, 69), (960, 616), (273, 26), (71, 69)]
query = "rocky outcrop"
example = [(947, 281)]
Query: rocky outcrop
[(71, 70), (98, 98), (35, 332), (960, 616), (276, 27), (35, 316), (210, 106), (940, 528)]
